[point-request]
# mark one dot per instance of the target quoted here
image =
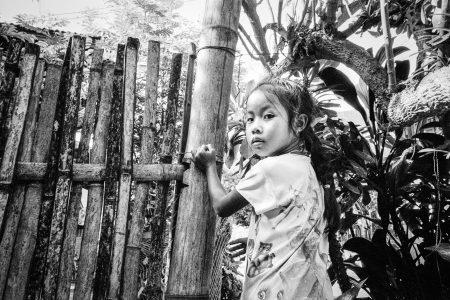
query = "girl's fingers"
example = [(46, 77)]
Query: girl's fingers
[(238, 241), (235, 247), (237, 253)]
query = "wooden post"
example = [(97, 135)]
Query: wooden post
[(71, 97), (82, 156), (190, 267), (17, 124), (92, 223), (112, 172), (132, 254), (28, 224), (120, 229), (12, 223), (388, 46)]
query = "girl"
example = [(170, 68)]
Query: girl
[(287, 249)]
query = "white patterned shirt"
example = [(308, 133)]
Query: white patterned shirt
[(287, 249)]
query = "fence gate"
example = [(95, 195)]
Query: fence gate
[(45, 171)]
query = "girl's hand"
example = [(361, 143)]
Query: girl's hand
[(237, 248), (204, 156)]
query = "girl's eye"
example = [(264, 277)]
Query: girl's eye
[(249, 120), (269, 116)]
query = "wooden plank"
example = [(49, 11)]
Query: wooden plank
[(157, 221), (189, 274), (111, 173), (132, 253), (12, 222), (17, 124), (66, 268), (92, 223), (131, 58), (7, 86), (66, 151), (29, 237)]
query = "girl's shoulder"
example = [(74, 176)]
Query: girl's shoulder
[(285, 162)]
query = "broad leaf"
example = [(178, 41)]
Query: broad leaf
[(442, 249), (353, 292)]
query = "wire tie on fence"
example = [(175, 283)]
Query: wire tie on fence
[(127, 169), (96, 70), (5, 185), (226, 49), (12, 67)]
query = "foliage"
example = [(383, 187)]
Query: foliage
[(405, 255)]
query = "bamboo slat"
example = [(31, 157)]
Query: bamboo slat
[(132, 253), (29, 237), (187, 104), (93, 97), (157, 221), (223, 230), (112, 172), (7, 86), (66, 151), (66, 268), (12, 222), (131, 58), (17, 124), (189, 274), (92, 223)]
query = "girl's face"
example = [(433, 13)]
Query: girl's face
[(268, 130)]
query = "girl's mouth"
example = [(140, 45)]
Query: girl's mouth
[(257, 142)]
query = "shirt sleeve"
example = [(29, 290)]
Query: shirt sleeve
[(257, 189)]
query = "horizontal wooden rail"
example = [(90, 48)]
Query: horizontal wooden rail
[(96, 172)]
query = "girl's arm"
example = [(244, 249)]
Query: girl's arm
[(224, 204)]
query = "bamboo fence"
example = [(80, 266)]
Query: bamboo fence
[(43, 173)]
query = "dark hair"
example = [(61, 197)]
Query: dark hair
[(296, 99)]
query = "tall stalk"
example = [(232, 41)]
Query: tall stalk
[(388, 46)]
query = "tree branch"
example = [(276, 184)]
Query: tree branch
[(249, 7), (274, 56), (280, 9), (260, 55)]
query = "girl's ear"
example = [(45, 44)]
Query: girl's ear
[(301, 121)]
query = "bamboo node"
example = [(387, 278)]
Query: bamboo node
[(226, 49)]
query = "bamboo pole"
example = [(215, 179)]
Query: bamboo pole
[(388, 46), (132, 254), (190, 267), (62, 193), (158, 219), (111, 177), (12, 222), (82, 155), (17, 124), (30, 235), (7, 86), (97, 172), (92, 223), (131, 57)]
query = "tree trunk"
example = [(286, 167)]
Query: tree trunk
[(430, 98)]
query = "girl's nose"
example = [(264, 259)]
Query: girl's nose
[(256, 128)]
